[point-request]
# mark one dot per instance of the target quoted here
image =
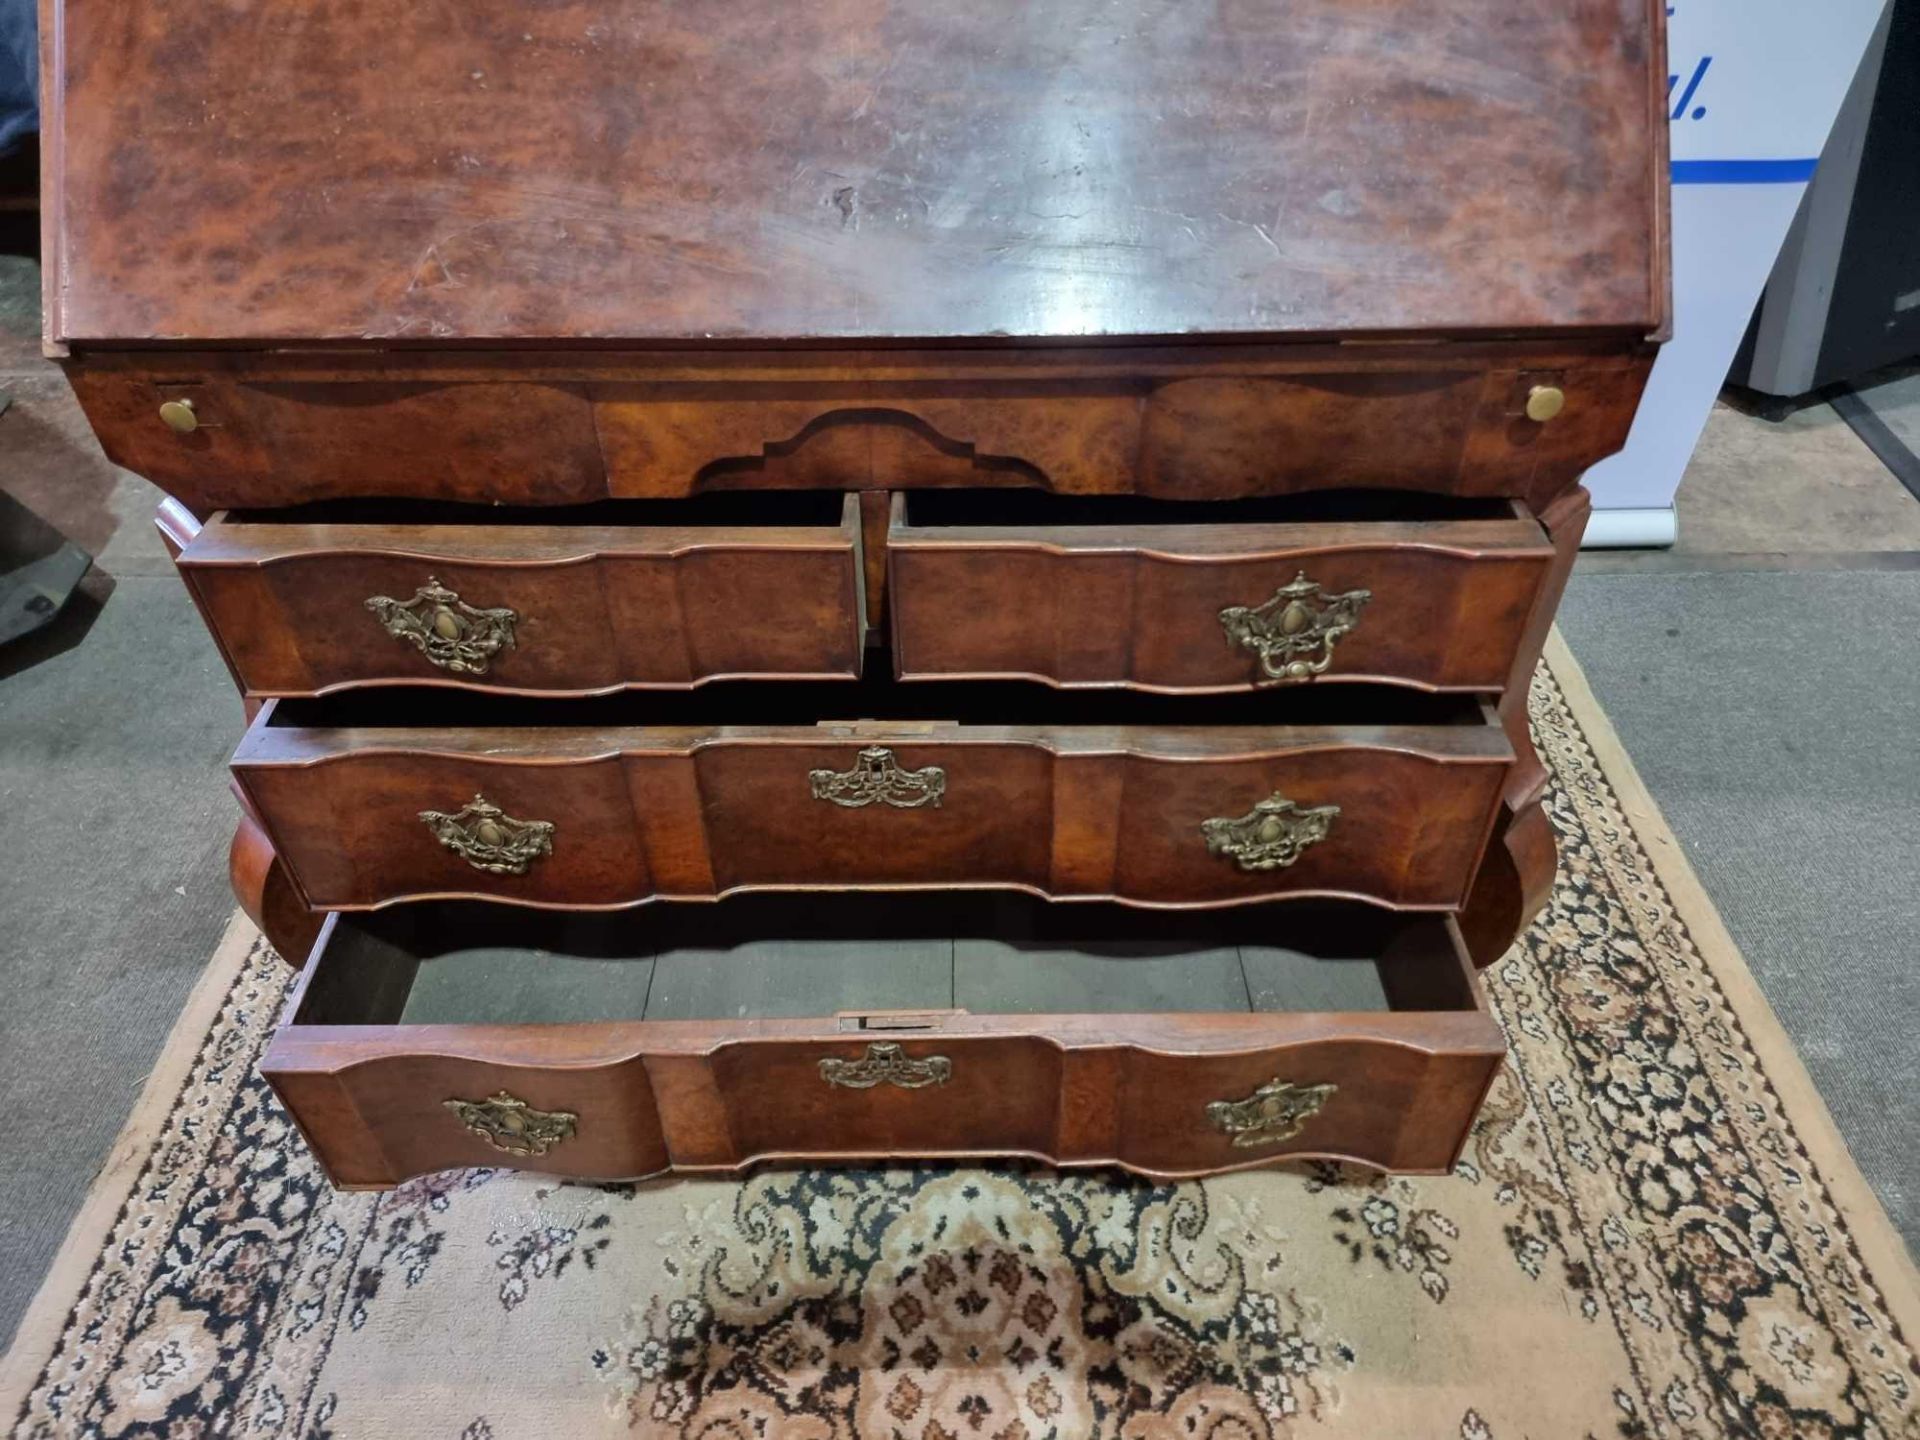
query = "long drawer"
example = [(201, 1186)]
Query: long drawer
[(374, 799), (1038, 587), (652, 594), (434, 1037), (1182, 422)]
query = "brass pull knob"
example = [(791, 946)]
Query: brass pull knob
[(452, 634), (1544, 402), (508, 1123), (180, 416), (1273, 1114), (877, 776), (1271, 836), (487, 838), (886, 1064), (1294, 632)]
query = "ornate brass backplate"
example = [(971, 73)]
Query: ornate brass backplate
[(452, 634), (487, 838), (508, 1123), (1273, 1114), (886, 1064), (876, 775), (1271, 836), (1294, 633)]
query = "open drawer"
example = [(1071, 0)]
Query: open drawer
[(446, 1035), (1097, 591), (637, 594), (371, 798)]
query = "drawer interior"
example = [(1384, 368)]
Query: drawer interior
[(877, 698), (936, 509), (884, 963)]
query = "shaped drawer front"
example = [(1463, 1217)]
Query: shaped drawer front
[(544, 428), (613, 816), (419, 1044), (306, 607), (1441, 605)]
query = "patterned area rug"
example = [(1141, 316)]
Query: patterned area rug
[(1654, 1232)]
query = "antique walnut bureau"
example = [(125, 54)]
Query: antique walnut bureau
[(1102, 472)]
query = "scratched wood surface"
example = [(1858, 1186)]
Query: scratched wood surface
[(377, 170)]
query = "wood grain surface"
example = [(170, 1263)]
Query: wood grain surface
[(373, 172), (1205, 423), (1140, 605), (597, 607), (1072, 812)]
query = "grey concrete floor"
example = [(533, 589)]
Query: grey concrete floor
[(1772, 719), (1803, 486), (115, 727)]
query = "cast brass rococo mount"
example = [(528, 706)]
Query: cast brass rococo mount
[(512, 1126), (1294, 632), (452, 634), (877, 776), (1273, 1114), (1271, 836), (487, 838), (885, 1063)]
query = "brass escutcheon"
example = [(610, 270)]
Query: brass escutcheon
[(1271, 836), (1273, 1114), (876, 776), (487, 838), (1294, 632), (885, 1063), (508, 1123), (452, 634)]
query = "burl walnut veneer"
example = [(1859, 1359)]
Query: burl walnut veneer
[(634, 456)]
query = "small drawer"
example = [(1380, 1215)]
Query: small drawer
[(374, 798), (542, 427), (641, 594), (1080, 591), (439, 1036)]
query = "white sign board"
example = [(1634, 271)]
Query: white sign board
[(1752, 90)]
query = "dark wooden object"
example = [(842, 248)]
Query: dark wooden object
[(591, 608), (696, 813), (714, 1095), (855, 170), (1140, 605), (1305, 320)]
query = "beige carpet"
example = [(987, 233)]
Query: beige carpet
[(1655, 1232)]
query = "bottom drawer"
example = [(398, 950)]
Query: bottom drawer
[(600, 1047)]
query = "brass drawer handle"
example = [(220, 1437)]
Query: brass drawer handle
[(508, 1123), (487, 838), (1271, 836), (876, 775), (885, 1063), (452, 634), (1294, 633), (1273, 1114)]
